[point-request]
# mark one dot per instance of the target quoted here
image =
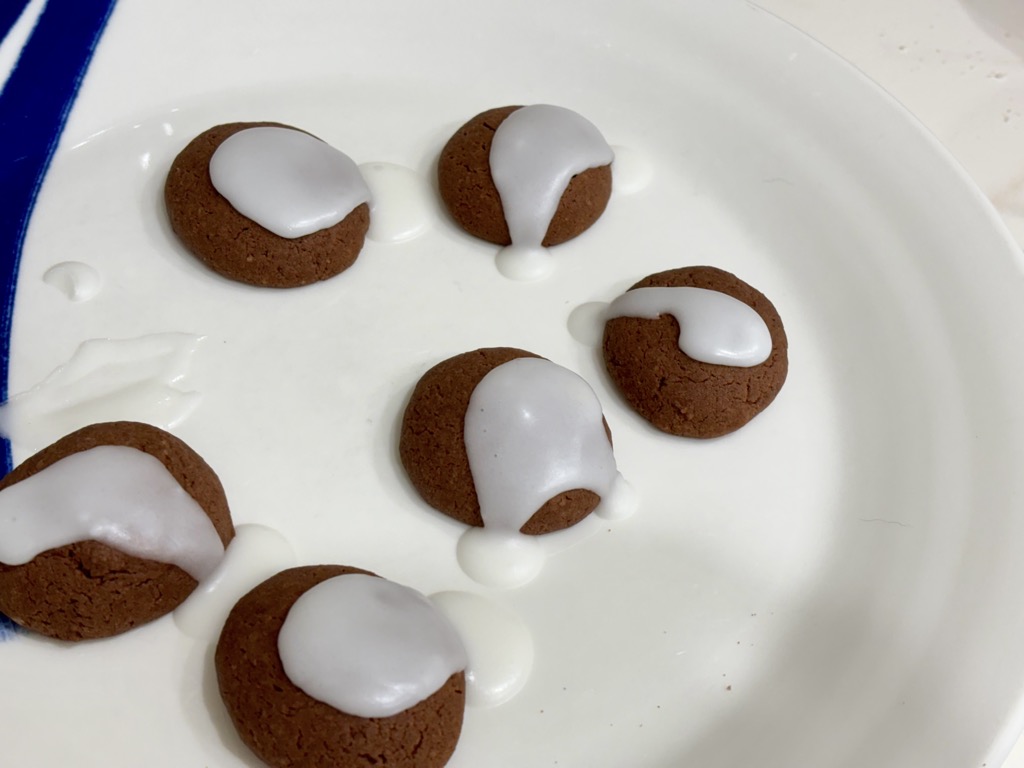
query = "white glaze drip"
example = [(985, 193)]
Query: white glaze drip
[(534, 155), (586, 322), (714, 327), (499, 647), (287, 181), (632, 171), (254, 554), (77, 281), (500, 559), (368, 646), (402, 206), (119, 496), (534, 430)]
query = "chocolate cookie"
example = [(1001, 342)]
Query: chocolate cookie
[(468, 188), (285, 726), (236, 246), (433, 449), (88, 589), (677, 393)]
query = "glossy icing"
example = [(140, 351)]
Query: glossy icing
[(533, 430), (714, 327), (368, 646), (534, 155), (286, 180), (120, 496)]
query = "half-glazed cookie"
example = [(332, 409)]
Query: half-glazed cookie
[(527, 177), (535, 428), (110, 527)]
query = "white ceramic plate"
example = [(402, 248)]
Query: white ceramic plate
[(837, 584)]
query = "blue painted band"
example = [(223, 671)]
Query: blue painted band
[(34, 107)]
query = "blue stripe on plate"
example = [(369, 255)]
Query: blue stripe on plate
[(10, 11), (34, 107)]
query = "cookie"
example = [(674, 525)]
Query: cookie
[(433, 448), (286, 726), (235, 245), (83, 589), (682, 395), (469, 191)]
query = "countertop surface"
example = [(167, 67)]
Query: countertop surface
[(958, 66)]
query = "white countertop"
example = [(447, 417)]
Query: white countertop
[(958, 66)]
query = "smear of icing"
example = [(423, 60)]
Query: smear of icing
[(120, 496), (368, 646), (77, 281), (255, 554), (533, 430), (402, 206), (632, 171), (286, 180), (534, 155), (106, 380), (499, 647), (714, 327)]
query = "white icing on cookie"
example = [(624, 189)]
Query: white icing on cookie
[(287, 181), (534, 155), (120, 496), (534, 430), (714, 327), (368, 646)]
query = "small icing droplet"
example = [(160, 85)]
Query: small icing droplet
[(499, 559), (120, 496), (402, 206), (524, 263), (714, 327), (77, 281), (498, 644), (368, 646), (632, 171), (286, 180), (256, 553), (586, 323)]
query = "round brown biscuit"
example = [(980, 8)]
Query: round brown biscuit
[(237, 247), (87, 589), (678, 394), (433, 450), (284, 726), (468, 191)]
